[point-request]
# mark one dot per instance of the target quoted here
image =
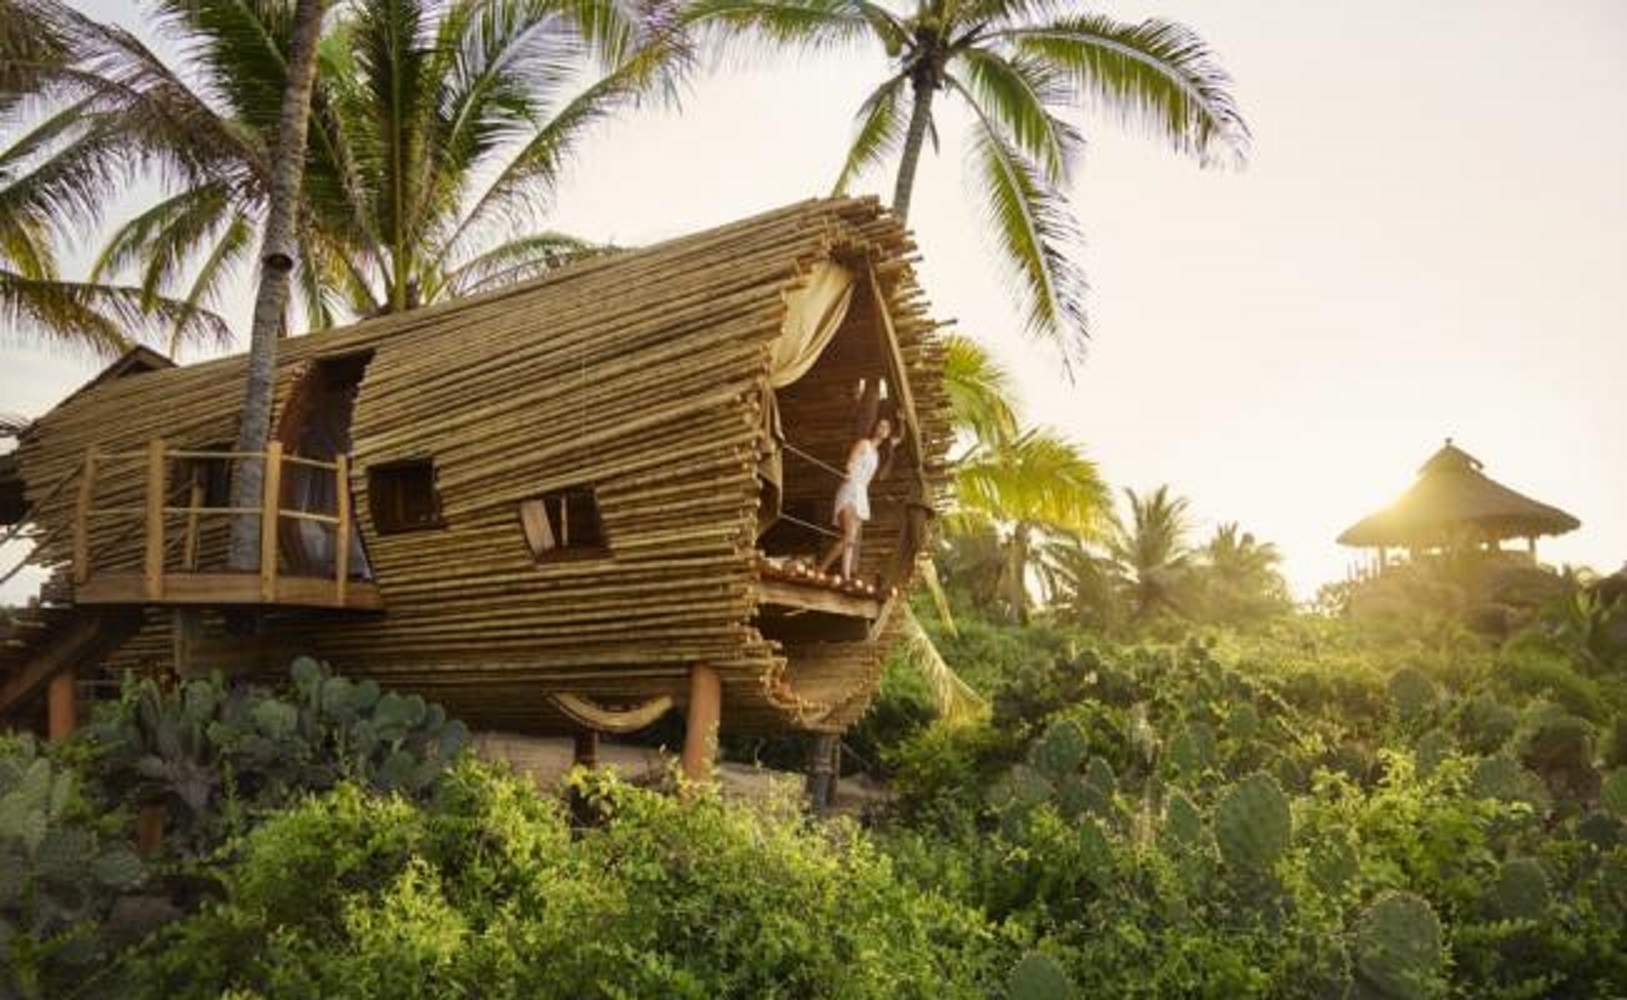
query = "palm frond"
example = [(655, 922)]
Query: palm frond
[(955, 700), (1036, 232), (231, 250), (1019, 93), (1156, 75), (1038, 477), (80, 316), (980, 391), (881, 124), (814, 24), (519, 260)]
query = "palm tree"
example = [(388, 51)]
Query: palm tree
[(438, 134), (1151, 549), (1028, 487), (39, 203), (1018, 67), (276, 268), (1241, 576)]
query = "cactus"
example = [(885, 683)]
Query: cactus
[(1039, 977), (1521, 891), (1095, 853), (1243, 723), (1503, 778), (1561, 751), (1613, 792), (1487, 725), (1397, 949), (1182, 822), (1412, 694), (1253, 824), (1600, 829), (1431, 749), (1192, 751), (1060, 750), (1334, 866)]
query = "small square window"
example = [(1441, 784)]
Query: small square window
[(564, 524), (402, 496)]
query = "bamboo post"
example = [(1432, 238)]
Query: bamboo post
[(269, 505), (157, 490), (81, 517), (341, 531), (62, 710), (194, 500), (704, 713)]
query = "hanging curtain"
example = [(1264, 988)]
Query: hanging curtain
[(813, 313)]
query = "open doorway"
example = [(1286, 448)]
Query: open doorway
[(315, 425)]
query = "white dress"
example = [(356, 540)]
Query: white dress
[(855, 489)]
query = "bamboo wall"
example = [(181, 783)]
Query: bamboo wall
[(640, 375)]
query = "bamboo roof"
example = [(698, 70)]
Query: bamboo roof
[(1451, 500)]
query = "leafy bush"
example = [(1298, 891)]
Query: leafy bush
[(491, 894)]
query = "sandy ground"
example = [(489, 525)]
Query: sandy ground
[(545, 762)]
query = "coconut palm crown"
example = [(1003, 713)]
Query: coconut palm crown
[(438, 135), (1018, 66)]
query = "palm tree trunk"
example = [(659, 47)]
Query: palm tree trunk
[(920, 118), (276, 270)]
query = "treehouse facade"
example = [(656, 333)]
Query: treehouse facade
[(571, 504)]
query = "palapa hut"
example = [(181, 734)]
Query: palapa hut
[(570, 505), (1454, 503)]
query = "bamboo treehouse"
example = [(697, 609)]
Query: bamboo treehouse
[(568, 506)]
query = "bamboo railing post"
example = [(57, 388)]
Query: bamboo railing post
[(81, 517), (270, 504), (341, 531), (194, 500), (157, 490)]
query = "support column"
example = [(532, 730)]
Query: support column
[(824, 759), (61, 705), (587, 749), (704, 713)]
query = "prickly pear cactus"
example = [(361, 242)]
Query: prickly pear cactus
[(1253, 824), (1561, 751), (1183, 824), (1521, 890), (1412, 694), (1431, 749), (1397, 949), (1192, 750), (1060, 750), (1095, 853), (1487, 725), (1243, 722), (1504, 779), (1613, 793), (1039, 977)]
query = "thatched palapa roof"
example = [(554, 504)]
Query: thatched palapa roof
[(1453, 500)]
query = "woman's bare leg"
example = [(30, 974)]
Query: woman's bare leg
[(841, 548)]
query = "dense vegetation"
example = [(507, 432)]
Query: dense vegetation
[(1311, 808)]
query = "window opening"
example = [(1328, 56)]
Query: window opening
[(564, 524), (402, 496)]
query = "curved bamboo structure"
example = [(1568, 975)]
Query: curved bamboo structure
[(639, 381)]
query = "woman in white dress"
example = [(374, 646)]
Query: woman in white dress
[(853, 497)]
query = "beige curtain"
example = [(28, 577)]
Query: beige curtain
[(813, 313)]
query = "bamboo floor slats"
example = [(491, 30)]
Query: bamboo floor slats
[(640, 375)]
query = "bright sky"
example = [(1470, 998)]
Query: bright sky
[(1423, 245)]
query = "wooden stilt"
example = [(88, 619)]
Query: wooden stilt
[(149, 830), (823, 753), (62, 710), (587, 748), (704, 713)]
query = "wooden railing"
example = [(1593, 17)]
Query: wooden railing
[(156, 507)]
